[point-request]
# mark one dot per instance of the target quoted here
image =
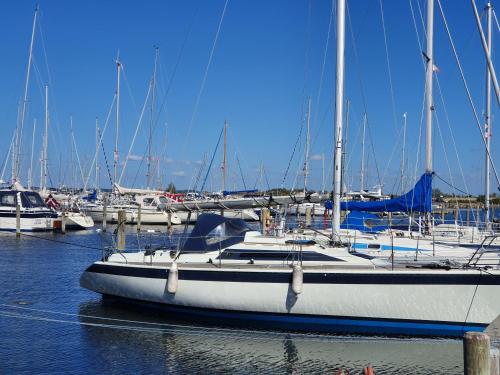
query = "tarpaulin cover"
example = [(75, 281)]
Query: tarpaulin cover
[(419, 199), (362, 221), (214, 232)]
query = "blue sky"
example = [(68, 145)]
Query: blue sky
[(267, 61)]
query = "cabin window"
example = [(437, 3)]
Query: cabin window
[(31, 199), (8, 199)]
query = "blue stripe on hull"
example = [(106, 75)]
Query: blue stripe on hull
[(305, 323)]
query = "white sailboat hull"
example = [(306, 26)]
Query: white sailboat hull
[(422, 302)]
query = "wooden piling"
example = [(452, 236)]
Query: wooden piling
[(169, 220), (63, 223), (18, 220), (264, 217), (494, 361), (120, 230), (468, 216), (476, 353), (139, 217), (104, 212), (308, 216)]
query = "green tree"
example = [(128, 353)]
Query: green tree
[(171, 188)]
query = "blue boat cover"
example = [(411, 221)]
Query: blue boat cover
[(91, 197), (419, 199), (215, 232), (362, 221)]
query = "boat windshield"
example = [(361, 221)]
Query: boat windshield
[(29, 199), (214, 232)]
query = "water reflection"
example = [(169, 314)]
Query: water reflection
[(154, 343)]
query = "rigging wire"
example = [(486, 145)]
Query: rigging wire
[(205, 75), (393, 102), (478, 123)]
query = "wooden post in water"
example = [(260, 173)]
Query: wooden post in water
[(63, 223), (442, 215), (104, 212), (264, 217), (139, 217), (169, 220), (476, 353), (468, 216), (308, 216), (494, 361), (120, 230), (18, 220)]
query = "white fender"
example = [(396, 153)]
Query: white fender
[(297, 279), (173, 278)]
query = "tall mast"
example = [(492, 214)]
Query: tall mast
[(97, 153), (487, 123), (403, 155), (115, 154), (429, 107), (45, 138), (19, 132), (151, 125), (322, 173), (30, 175), (308, 140), (339, 98), (224, 158), (362, 185)]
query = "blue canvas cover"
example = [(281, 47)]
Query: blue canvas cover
[(362, 221), (419, 199), (214, 232)]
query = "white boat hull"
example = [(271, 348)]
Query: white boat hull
[(423, 302)]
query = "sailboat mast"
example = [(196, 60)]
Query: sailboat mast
[(115, 154), (97, 153), (487, 124), (224, 158), (19, 132), (339, 98), (403, 154), (151, 124), (30, 175), (45, 138), (308, 141), (362, 187), (429, 107)]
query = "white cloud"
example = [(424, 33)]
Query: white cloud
[(316, 157), (179, 173), (168, 160), (135, 157)]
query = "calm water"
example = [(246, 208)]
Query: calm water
[(49, 325)]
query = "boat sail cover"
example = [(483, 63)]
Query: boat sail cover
[(419, 199)]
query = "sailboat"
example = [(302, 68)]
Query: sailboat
[(225, 272), (34, 214)]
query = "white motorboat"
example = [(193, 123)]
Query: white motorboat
[(35, 215)]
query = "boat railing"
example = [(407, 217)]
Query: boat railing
[(487, 254)]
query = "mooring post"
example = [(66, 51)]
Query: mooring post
[(139, 217), (120, 230), (468, 216), (63, 222), (264, 217), (104, 212), (476, 353), (308, 216), (18, 220), (169, 220), (494, 361)]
